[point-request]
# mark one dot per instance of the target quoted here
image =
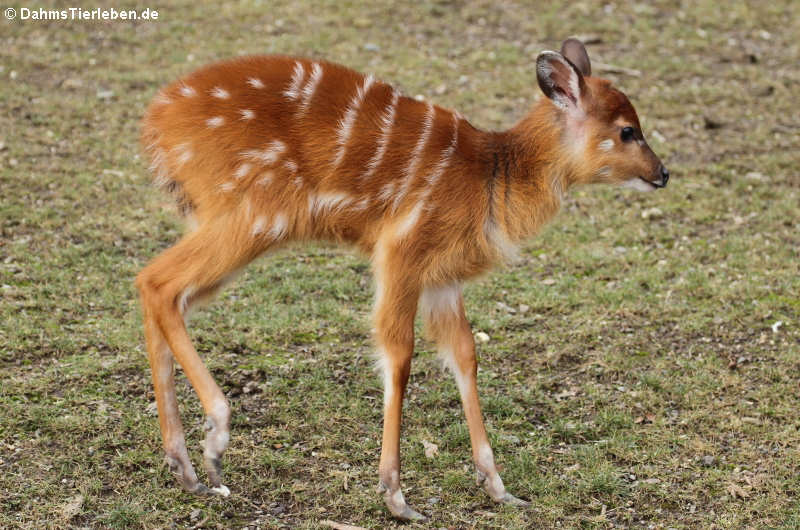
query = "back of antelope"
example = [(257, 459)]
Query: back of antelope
[(260, 151)]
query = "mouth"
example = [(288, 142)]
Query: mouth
[(655, 185)]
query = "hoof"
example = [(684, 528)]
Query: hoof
[(497, 491), (397, 505), (512, 501)]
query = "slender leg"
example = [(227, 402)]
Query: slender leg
[(161, 364), (394, 329), (192, 269), (445, 322)]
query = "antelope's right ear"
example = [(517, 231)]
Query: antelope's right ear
[(561, 81)]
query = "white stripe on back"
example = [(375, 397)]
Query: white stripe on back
[(311, 86), (297, 78), (387, 122), (346, 124), (416, 156)]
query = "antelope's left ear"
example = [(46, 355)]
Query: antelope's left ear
[(576, 53), (561, 81)]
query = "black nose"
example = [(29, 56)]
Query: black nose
[(664, 176)]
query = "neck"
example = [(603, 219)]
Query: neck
[(527, 176)]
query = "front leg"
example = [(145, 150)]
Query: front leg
[(445, 322), (394, 333)]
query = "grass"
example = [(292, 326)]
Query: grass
[(643, 387)]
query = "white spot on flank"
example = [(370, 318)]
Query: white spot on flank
[(255, 82), (346, 124), (266, 178), (416, 156), (362, 204), (279, 226), (387, 122), (606, 145), (247, 114), (291, 166), (311, 86), (227, 186), (183, 152), (242, 170), (220, 93), (332, 201), (187, 91), (258, 225), (215, 122), (297, 78), (269, 155)]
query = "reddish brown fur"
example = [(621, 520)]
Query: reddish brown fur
[(492, 191)]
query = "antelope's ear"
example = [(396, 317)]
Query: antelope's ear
[(561, 81), (575, 52)]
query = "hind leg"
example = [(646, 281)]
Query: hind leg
[(194, 268), (161, 365)]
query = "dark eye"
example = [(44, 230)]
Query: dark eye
[(627, 134)]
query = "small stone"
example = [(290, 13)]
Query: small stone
[(708, 460), (441, 89), (504, 307), (12, 74), (372, 47), (105, 94), (549, 281), (72, 82), (524, 308), (12, 162), (482, 337), (195, 515), (652, 213), (620, 250), (463, 80), (754, 175), (433, 500)]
